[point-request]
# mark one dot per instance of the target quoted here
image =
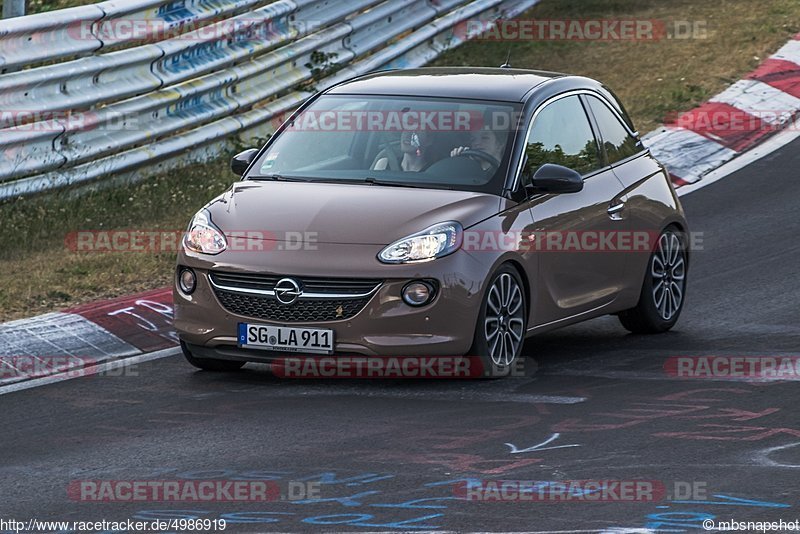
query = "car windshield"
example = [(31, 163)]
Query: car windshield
[(401, 141)]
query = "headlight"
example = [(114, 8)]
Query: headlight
[(433, 242), (203, 236)]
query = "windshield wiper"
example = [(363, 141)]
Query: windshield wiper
[(367, 181), (375, 181), (281, 178)]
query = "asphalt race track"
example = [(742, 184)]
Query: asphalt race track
[(389, 455)]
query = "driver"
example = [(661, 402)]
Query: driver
[(492, 142)]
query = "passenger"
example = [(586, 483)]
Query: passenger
[(416, 149)]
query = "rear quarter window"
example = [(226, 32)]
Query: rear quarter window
[(618, 142)]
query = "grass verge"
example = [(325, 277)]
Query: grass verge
[(653, 79), (658, 77)]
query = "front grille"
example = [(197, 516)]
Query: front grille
[(347, 297), (266, 282), (309, 310)]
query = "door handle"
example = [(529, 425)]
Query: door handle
[(614, 211)]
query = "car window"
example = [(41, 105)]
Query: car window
[(617, 140), (395, 140), (562, 135)]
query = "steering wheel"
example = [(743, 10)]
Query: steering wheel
[(480, 154), (392, 161)]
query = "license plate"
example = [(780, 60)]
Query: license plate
[(285, 338)]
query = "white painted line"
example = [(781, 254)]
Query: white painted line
[(539, 447), (61, 334), (788, 52), (762, 456), (686, 154), (774, 143), (659, 375), (461, 395), (761, 100), (108, 366)]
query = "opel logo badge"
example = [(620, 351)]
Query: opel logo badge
[(287, 290)]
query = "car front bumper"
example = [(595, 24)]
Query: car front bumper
[(385, 326)]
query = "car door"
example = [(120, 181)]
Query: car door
[(580, 269), (642, 178)]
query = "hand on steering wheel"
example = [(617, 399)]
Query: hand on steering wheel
[(475, 154)]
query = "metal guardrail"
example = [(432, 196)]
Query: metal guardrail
[(126, 103)]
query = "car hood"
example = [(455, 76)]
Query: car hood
[(343, 213)]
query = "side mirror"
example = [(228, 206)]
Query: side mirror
[(242, 160), (551, 178)]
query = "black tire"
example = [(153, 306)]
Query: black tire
[(210, 364), (666, 269), (512, 323)]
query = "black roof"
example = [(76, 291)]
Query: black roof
[(478, 83)]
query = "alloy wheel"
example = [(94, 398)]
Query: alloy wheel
[(668, 269), (505, 321)]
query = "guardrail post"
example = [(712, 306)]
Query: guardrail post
[(13, 8)]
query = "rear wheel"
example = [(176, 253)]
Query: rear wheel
[(500, 332), (210, 364), (663, 290)]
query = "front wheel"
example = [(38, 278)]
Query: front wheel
[(663, 290), (500, 332)]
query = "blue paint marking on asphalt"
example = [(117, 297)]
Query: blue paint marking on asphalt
[(361, 518), (736, 501), (686, 520), (693, 520), (354, 501), (471, 482), (327, 519), (355, 519), (253, 517), (344, 501), (331, 478), (151, 515), (415, 503)]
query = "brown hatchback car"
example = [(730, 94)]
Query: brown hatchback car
[(436, 211)]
